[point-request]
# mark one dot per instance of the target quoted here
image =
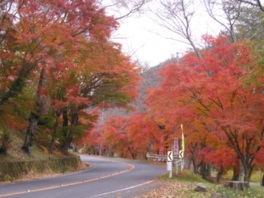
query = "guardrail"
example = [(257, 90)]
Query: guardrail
[(156, 157), (160, 158)]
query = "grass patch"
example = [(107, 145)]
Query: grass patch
[(255, 177), (183, 184), (185, 176), (16, 164), (254, 191)]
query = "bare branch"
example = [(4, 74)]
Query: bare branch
[(230, 12), (176, 16), (124, 8)]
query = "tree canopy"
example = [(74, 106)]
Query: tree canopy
[(57, 56)]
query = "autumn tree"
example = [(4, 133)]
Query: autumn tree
[(115, 136), (139, 133), (55, 44), (110, 84), (69, 40), (20, 57), (130, 137), (105, 78), (210, 90)]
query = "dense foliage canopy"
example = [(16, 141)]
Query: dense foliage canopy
[(57, 61)]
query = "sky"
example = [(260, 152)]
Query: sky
[(140, 39), (147, 42)]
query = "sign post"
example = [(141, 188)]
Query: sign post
[(169, 162), (175, 146), (176, 152), (176, 167), (182, 149)]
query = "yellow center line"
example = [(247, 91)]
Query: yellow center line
[(70, 184)]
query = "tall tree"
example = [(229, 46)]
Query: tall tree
[(111, 82), (48, 22), (68, 38), (210, 91)]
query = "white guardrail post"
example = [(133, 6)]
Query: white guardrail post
[(169, 159)]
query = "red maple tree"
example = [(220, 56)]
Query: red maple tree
[(207, 95)]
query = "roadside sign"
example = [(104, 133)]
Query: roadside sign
[(181, 154), (169, 156), (175, 146), (169, 166)]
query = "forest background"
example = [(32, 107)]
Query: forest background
[(61, 76)]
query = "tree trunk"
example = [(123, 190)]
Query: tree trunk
[(166, 144), (55, 132), (75, 119), (65, 116), (262, 181), (235, 173), (148, 149), (247, 173), (195, 167), (220, 174), (203, 170), (65, 145), (133, 154), (30, 135), (209, 170), (193, 150), (242, 171), (68, 134), (34, 117)]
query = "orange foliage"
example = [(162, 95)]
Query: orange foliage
[(207, 96)]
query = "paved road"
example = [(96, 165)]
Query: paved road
[(107, 177)]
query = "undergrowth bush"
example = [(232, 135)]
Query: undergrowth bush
[(5, 140)]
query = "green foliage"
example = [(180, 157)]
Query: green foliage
[(16, 164), (46, 121), (5, 140), (15, 112), (250, 24), (256, 192), (43, 139), (69, 131), (110, 92), (186, 176), (250, 27), (189, 176), (17, 169), (7, 177), (184, 183)]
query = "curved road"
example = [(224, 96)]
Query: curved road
[(107, 177)]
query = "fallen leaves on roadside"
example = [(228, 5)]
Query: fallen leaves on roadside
[(175, 189)]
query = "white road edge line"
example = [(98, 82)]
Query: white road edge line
[(148, 182)]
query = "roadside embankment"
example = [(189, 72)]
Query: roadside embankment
[(15, 170)]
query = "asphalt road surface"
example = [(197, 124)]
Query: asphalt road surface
[(106, 177)]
